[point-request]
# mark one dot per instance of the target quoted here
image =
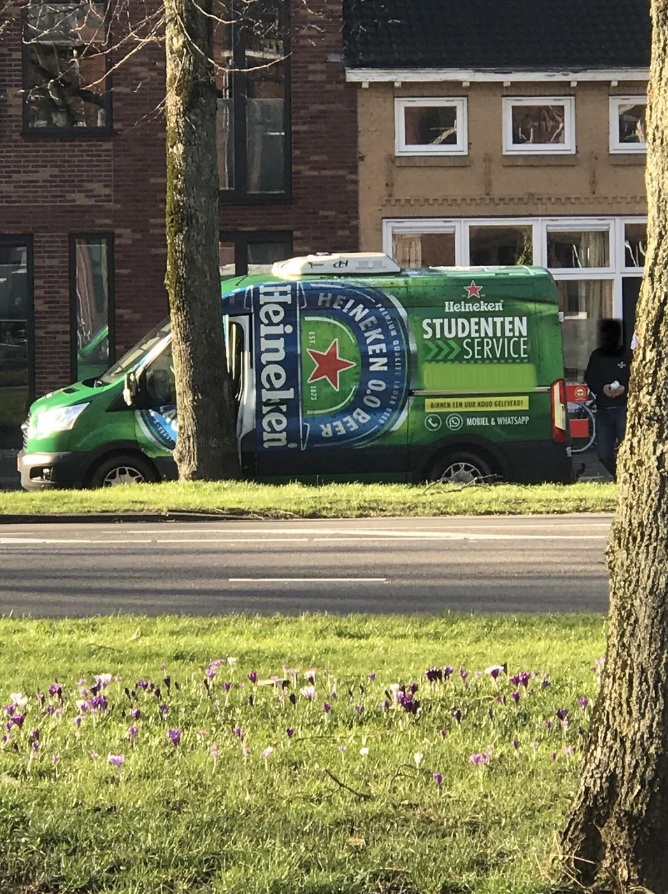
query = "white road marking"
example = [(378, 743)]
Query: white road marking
[(307, 580), (239, 540)]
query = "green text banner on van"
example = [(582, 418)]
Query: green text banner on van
[(346, 368)]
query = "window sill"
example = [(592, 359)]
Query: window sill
[(228, 198), (636, 159), (539, 161), (77, 133), (433, 161)]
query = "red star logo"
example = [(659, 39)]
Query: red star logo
[(328, 365), (473, 290)]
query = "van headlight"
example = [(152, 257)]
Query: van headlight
[(48, 422)]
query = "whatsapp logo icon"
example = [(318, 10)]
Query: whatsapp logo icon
[(454, 422)]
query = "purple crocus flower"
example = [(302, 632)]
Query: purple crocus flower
[(34, 745), (35, 734), (447, 672), (443, 733), (132, 732), (292, 698), (457, 715), (359, 709), (55, 689), (516, 696), (495, 671), (239, 732), (78, 720), (434, 674), (10, 710), (583, 702), (384, 704), (545, 684), (142, 684), (289, 732), (174, 735), (252, 676), (164, 709), (479, 760), (515, 744), (438, 778), (463, 673), (413, 688), (548, 724), (18, 719), (50, 709), (135, 713), (553, 756), (227, 686), (116, 759), (371, 677), (562, 714), (327, 707)]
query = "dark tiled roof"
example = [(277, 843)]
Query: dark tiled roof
[(493, 34)]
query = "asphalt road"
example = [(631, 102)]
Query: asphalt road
[(524, 564)]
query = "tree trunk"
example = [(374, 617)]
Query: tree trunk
[(206, 446), (618, 827)]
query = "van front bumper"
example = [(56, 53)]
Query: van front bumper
[(43, 471)]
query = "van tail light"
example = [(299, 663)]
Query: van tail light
[(559, 412)]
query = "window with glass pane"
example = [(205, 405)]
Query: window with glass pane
[(92, 305), (66, 69), (227, 258), (265, 98), (252, 77), (583, 304), (416, 250), (628, 126), (504, 246), (253, 251), (585, 248), (14, 357), (635, 244), (225, 112), (535, 125), (261, 256)]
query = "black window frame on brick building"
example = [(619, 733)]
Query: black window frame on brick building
[(67, 132), (243, 240), (239, 75), (74, 302), (25, 241)]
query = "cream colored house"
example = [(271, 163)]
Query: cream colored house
[(502, 144)]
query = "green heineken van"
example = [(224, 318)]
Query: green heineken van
[(346, 368)]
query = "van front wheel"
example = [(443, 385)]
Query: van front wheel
[(123, 469), (460, 467)]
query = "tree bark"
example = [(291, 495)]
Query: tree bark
[(206, 445), (618, 827)]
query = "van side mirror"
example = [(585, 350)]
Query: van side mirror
[(130, 388)]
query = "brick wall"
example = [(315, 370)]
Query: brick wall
[(53, 188)]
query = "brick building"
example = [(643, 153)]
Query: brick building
[(82, 177)]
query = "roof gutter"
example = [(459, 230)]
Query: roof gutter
[(366, 76)]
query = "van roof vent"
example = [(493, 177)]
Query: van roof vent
[(341, 264)]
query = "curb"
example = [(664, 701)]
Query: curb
[(116, 517)]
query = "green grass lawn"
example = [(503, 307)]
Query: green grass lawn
[(325, 501), (260, 788)]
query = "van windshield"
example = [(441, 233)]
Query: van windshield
[(132, 357)]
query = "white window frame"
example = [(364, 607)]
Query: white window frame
[(623, 222), (616, 146), (568, 147), (460, 104), (541, 225)]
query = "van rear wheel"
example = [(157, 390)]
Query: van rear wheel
[(460, 467), (123, 469)]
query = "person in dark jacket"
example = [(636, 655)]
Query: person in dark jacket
[(607, 376)]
